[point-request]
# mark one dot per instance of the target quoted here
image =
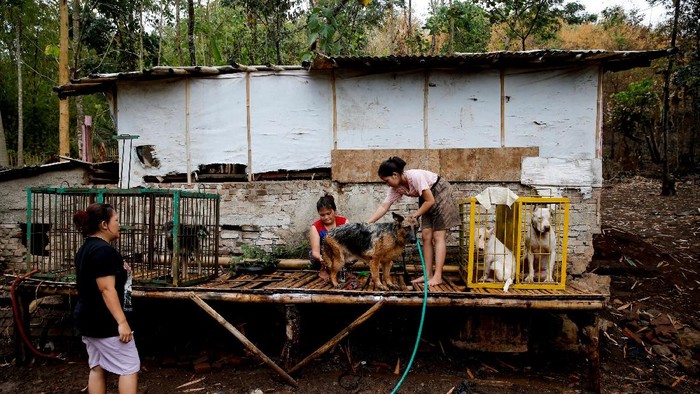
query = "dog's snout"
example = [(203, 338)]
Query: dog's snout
[(411, 235)]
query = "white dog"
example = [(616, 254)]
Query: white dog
[(540, 243), (497, 257)]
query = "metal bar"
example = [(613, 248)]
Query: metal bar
[(29, 230)]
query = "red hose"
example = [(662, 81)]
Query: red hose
[(18, 321)]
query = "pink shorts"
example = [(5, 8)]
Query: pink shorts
[(113, 355)]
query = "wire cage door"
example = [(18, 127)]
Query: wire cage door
[(498, 245)]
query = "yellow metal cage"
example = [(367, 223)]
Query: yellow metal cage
[(498, 243)]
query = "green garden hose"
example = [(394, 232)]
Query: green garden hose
[(422, 318)]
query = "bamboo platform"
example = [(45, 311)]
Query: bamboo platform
[(306, 287)]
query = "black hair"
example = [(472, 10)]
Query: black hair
[(327, 201), (392, 165), (88, 221)]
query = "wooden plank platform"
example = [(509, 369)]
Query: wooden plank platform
[(305, 287)]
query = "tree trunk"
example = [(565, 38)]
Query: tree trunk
[(190, 33), (452, 31), (20, 110), (76, 38), (668, 184), (209, 53), (141, 35), (160, 33), (4, 158), (178, 36), (63, 105), (75, 74)]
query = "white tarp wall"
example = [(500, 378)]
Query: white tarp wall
[(286, 121)]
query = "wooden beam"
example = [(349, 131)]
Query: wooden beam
[(233, 330), (351, 297), (591, 348), (334, 341)]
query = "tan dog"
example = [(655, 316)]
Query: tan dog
[(378, 243), (540, 243)]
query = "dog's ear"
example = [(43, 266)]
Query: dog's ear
[(397, 217)]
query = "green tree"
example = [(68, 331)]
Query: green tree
[(275, 17), (633, 113), (575, 14), (472, 29), (342, 27), (38, 36), (112, 31), (686, 82), (523, 18)]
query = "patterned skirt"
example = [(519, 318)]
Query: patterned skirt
[(444, 214)]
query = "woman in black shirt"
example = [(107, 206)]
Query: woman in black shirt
[(104, 294)]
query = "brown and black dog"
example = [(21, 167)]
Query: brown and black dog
[(378, 243)]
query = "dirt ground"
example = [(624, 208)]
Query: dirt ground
[(650, 341)]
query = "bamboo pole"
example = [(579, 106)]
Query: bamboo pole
[(63, 104), (292, 264), (334, 341), (354, 297), (242, 338)]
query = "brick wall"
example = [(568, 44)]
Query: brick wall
[(270, 214), (11, 248)]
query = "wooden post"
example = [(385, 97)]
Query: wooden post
[(63, 104), (339, 336), (87, 139), (233, 330), (291, 344), (22, 352), (592, 335)]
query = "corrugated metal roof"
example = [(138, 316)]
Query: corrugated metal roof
[(549, 58), (610, 60)]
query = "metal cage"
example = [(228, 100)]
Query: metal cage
[(168, 237), (494, 244)]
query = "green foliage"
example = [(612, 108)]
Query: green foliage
[(38, 27), (523, 18), (260, 31), (295, 251), (342, 28), (472, 29), (616, 16), (633, 110), (574, 13), (687, 79), (255, 255)]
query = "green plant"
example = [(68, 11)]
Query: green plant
[(255, 255), (296, 251)]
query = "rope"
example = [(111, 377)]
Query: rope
[(422, 318)]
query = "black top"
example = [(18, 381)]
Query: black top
[(97, 258)]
